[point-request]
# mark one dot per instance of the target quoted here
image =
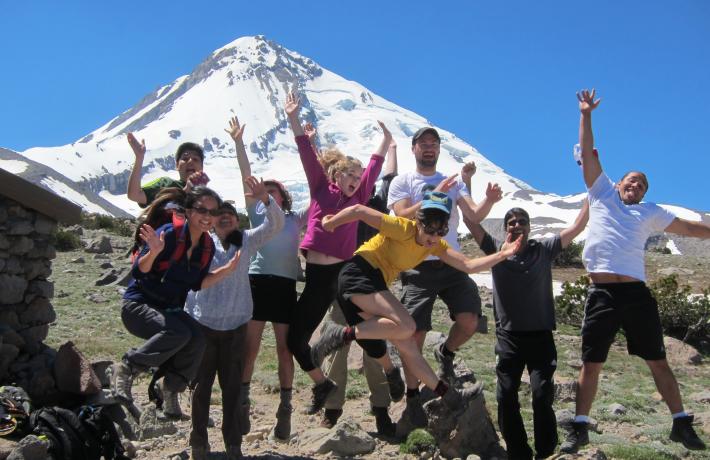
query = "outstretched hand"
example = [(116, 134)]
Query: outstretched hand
[(137, 147), (586, 101), (310, 131), (467, 172), (257, 189), (195, 179), (155, 243), (293, 103), (446, 184), (386, 132), (327, 223), (494, 193), (235, 130), (512, 246)]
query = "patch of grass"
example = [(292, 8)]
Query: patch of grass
[(418, 442), (635, 452)]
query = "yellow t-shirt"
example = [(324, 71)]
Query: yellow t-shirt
[(395, 249)]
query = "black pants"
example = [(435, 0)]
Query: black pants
[(318, 294), (223, 357), (536, 351)]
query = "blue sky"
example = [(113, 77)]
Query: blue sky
[(500, 74)]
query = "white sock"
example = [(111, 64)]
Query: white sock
[(581, 418), (679, 414)]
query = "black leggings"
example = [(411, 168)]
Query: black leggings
[(318, 294)]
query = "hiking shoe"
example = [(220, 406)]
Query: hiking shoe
[(414, 413), (320, 391), (199, 452), (384, 424), (244, 420), (234, 452), (171, 404), (122, 380), (456, 398), (446, 364), (577, 436), (282, 430), (396, 384), (330, 417), (683, 431), (332, 337)]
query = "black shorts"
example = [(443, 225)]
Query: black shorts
[(357, 277), (629, 306), (274, 298), (432, 278)]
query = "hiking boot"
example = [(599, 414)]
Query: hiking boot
[(244, 420), (199, 452), (446, 364), (320, 391), (384, 424), (414, 413), (122, 380), (171, 404), (332, 337), (577, 436), (396, 384), (282, 430), (683, 431), (330, 417), (234, 452), (455, 398)]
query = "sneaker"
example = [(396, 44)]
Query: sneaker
[(456, 398), (330, 417), (446, 364), (171, 404), (683, 431), (244, 420), (414, 413), (332, 337), (122, 380), (384, 424), (282, 430), (199, 452), (234, 452), (577, 436), (396, 384), (321, 391)]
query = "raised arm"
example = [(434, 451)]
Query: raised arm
[(386, 140), (591, 166), (218, 274), (135, 192), (354, 213), (274, 219), (292, 107), (155, 243), (570, 233), (467, 172), (464, 264), (310, 131), (689, 228), (236, 131), (493, 195), (391, 162)]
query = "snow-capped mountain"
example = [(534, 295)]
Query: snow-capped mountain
[(250, 78)]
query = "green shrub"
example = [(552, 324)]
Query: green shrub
[(116, 225), (569, 306), (683, 315), (63, 240), (636, 452), (418, 442), (571, 256)]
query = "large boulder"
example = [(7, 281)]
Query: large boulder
[(680, 353), (345, 439), (100, 246), (73, 372)]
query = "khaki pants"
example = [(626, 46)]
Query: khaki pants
[(336, 367)]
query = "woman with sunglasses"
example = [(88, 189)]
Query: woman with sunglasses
[(175, 259), (372, 312)]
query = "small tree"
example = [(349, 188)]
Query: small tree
[(571, 256), (569, 305)]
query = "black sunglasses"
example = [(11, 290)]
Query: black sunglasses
[(211, 212), (522, 222), (440, 231)]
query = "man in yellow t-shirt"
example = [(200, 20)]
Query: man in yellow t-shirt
[(373, 313)]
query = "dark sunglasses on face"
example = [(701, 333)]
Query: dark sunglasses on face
[(440, 231), (211, 212), (522, 222)]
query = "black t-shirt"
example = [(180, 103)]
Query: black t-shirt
[(378, 202), (522, 285)]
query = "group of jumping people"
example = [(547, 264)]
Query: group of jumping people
[(203, 290)]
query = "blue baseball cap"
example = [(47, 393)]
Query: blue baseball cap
[(437, 200)]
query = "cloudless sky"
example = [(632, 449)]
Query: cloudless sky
[(502, 75)]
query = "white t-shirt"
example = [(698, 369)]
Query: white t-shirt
[(412, 185), (618, 232)]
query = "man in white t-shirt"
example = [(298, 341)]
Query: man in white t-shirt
[(619, 225), (433, 278)]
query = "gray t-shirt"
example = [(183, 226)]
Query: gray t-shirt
[(522, 285)]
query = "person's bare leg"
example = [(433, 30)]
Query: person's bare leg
[(385, 317), (667, 384), (587, 385), (411, 380), (286, 366), (416, 364), (255, 330)]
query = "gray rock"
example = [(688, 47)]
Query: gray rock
[(41, 288), (108, 277), (19, 227), (4, 242), (30, 448), (97, 297), (152, 426), (21, 245), (73, 372), (36, 268), (101, 369), (100, 246), (616, 409), (702, 397), (676, 271), (13, 266), (78, 260), (44, 225), (77, 229), (106, 265), (6, 446), (12, 288), (679, 353), (39, 311), (346, 438)]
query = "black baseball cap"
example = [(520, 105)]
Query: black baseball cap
[(423, 131)]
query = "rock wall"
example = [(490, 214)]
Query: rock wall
[(26, 252)]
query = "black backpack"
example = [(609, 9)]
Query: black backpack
[(85, 434)]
